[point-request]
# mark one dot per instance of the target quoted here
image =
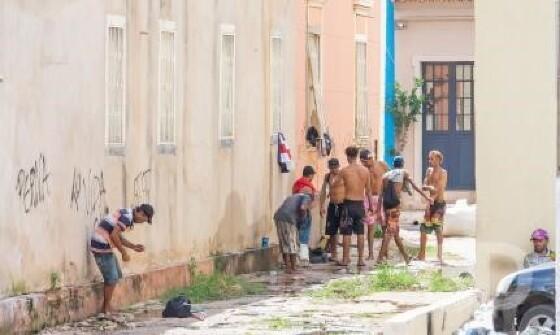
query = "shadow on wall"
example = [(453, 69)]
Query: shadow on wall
[(232, 228)]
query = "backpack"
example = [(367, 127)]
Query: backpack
[(177, 307), (390, 197)]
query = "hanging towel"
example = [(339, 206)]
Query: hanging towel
[(284, 155)]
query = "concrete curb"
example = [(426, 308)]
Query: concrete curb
[(33, 312), (441, 318)]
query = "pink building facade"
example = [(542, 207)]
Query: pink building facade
[(338, 82)]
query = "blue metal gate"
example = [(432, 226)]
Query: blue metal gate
[(448, 120)]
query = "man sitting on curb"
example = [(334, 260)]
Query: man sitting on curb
[(106, 236), (541, 254)]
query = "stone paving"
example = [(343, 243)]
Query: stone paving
[(286, 308)]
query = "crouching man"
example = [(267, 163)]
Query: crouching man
[(293, 209), (106, 236)]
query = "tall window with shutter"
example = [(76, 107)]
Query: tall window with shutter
[(361, 112), (227, 83), (115, 84), (166, 115), (315, 112), (276, 82)]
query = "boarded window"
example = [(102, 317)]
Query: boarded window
[(276, 82), (227, 83), (167, 85), (362, 119), (115, 82)]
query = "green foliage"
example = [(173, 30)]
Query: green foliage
[(406, 109), (217, 286), (387, 279), (55, 280), (18, 287)]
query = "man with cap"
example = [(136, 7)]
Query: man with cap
[(376, 170), (333, 181), (305, 184), (107, 235), (541, 254), (394, 182)]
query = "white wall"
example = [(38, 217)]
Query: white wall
[(516, 131), (208, 197)]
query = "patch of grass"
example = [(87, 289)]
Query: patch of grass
[(391, 279), (440, 283), (217, 286), (343, 289), (388, 279), (278, 323)]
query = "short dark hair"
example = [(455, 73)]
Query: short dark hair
[(333, 163), (398, 162), (148, 210), (308, 171), (365, 155), (352, 152)]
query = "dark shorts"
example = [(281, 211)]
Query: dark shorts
[(109, 267), (434, 218), (353, 214), (334, 212)]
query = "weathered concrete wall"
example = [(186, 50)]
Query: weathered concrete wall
[(56, 176), (433, 32), (516, 131)]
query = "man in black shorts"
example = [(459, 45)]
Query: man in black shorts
[(356, 189), (333, 181)]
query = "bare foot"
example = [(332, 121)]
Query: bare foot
[(361, 263), (338, 263), (370, 258)]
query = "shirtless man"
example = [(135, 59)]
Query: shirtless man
[(356, 189), (434, 183), (333, 181), (376, 171), (394, 183)]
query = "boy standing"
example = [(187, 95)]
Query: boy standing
[(435, 183)]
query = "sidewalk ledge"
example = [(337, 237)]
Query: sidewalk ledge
[(33, 312), (442, 318)]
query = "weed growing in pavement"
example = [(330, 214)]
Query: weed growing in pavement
[(391, 279), (279, 323), (217, 286), (18, 287), (388, 278)]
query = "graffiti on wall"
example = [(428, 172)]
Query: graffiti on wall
[(32, 186), (87, 194), (141, 187)]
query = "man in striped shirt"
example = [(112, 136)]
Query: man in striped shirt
[(106, 236)]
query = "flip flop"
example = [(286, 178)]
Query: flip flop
[(339, 263)]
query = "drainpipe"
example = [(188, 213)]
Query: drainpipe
[(389, 128)]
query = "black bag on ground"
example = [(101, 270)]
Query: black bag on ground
[(390, 197), (177, 307)]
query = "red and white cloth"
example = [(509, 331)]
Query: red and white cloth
[(284, 155)]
